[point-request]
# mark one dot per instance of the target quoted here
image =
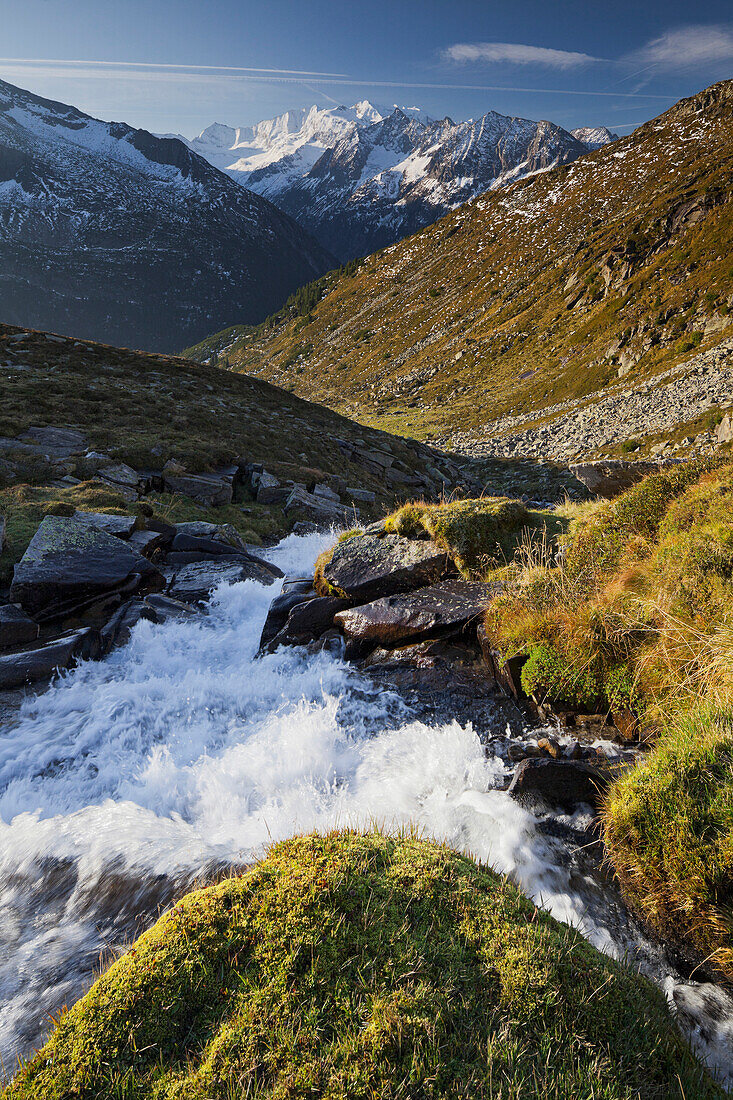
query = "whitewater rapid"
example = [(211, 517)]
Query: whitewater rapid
[(183, 755)]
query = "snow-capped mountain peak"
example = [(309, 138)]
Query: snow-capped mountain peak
[(360, 177)]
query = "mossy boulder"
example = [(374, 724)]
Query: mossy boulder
[(478, 534), (363, 966)]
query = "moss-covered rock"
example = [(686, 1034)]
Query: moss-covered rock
[(478, 534), (364, 966), (669, 831)]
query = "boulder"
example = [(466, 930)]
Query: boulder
[(367, 567), (116, 631), (194, 583), (147, 542), (281, 607), (317, 509), (724, 430), (42, 661), (307, 621), (165, 607), (16, 628), (326, 493), (70, 564), (121, 526), (212, 490), (124, 479), (609, 478), (211, 548), (543, 783), (273, 494), (219, 532), (364, 496), (422, 613)]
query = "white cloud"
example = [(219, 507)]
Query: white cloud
[(687, 47), (517, 54)]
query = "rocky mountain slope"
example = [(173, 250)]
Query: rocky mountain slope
[(547, 291), (111, 233), (362, 177)]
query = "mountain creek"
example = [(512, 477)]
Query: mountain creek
[(185, 753)]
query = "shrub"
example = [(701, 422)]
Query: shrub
[(364, 966)]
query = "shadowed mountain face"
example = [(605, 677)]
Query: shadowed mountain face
[(362, 177), (108, 232)]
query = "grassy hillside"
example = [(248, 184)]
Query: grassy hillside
[(146, 409), (364, 966), (526, 296)]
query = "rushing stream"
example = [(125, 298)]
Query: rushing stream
[(182, 755)]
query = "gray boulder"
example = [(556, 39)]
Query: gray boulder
[(367, 567), (317, 508), (211, 490), (539, 784), (307, 621), (69, 565), (121, 526), (610, 477), (419, 614), (724, 430), (55, 442)]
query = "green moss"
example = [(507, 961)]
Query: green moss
[(548, 675), (478, 534), (364, 966), (669, 831)]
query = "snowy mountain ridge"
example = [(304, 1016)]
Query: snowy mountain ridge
[(110, 233), (361, 177)]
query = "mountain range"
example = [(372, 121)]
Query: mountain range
[(359, 178), (615, 266), (108, 232)]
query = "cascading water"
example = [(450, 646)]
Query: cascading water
[(182, 755)]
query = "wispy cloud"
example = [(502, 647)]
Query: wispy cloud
[(20, 69), (517, 54), (686, 47)]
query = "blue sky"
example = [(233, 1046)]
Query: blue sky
[(177, 65)]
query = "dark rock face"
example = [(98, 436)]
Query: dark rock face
[(564, 783), (69, 564), (307, 621), (195, 582), (418, 614), (40, 662), (16, 628), (207, 489), (367, 567), (609, 478), (109, 233), (277, 614)]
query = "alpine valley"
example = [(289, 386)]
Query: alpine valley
[(359, 178)]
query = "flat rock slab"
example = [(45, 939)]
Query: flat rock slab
[(424, 612), (194, 583), (69, 564), (208, 489), (367, 567), (564, 783), (121, 526), (55, 442), (16, 628), (41, 662)]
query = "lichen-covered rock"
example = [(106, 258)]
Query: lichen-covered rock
[(69, 564), (366, 567)]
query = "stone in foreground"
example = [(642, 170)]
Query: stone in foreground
[(69, 564), (422, 613), (564, 783), (16, 628), (366, 567), (41, 662)]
